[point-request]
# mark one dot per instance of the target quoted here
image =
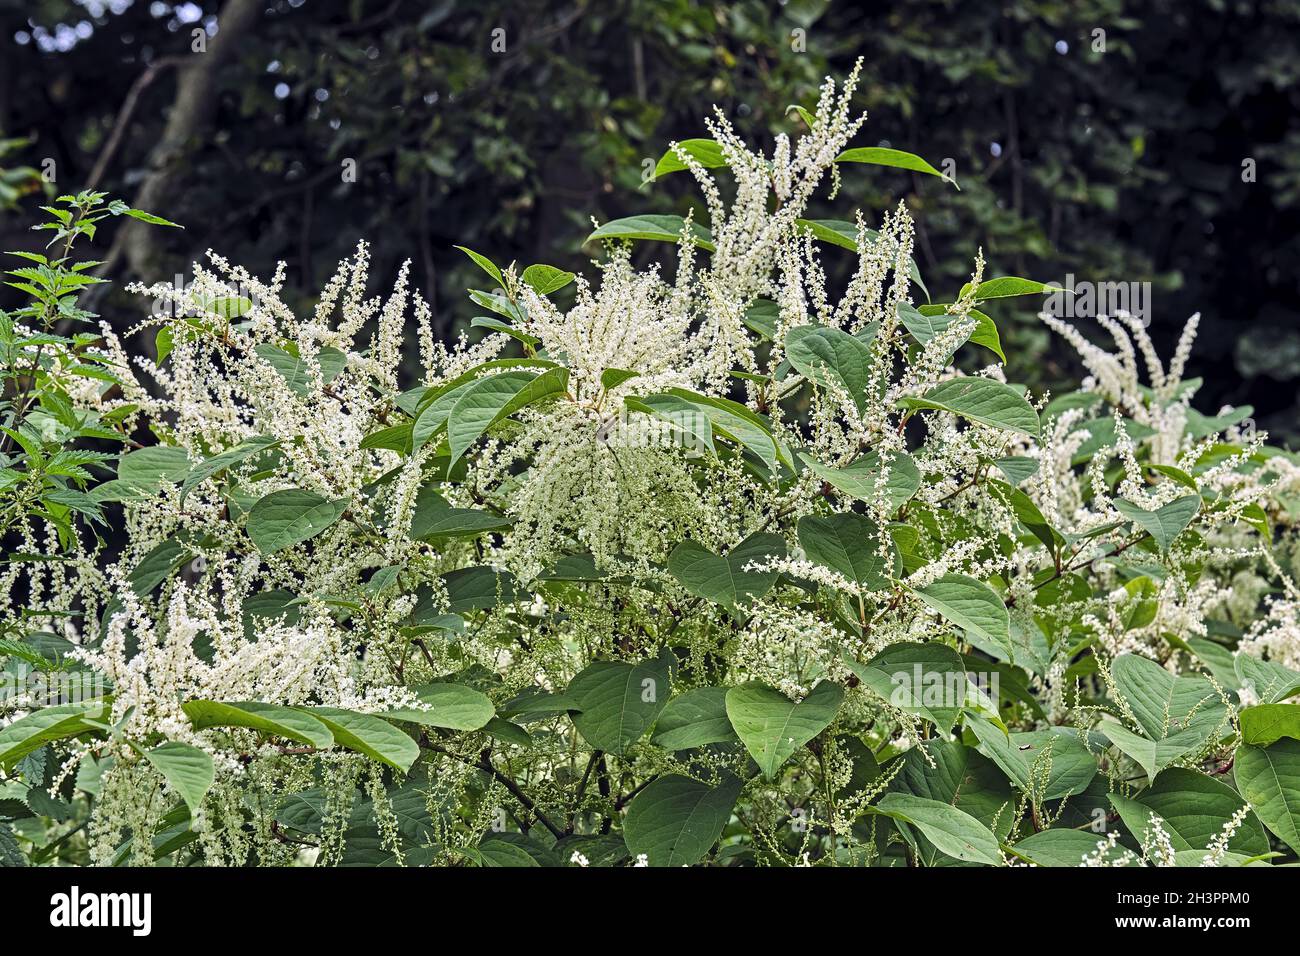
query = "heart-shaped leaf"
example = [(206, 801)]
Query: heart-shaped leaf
[(772, 726), (619, 701), (1166, 522), (675, 820), (851, 545), (723, 579)]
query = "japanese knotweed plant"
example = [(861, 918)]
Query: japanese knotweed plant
[(718, 564)]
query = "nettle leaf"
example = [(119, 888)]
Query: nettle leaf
[(489, 400), (883, 156), (285, 518), (1192, 807), (851, 545), (772, 726), (188, 770), (827, 356), (269, 719), (675, 820), (1166, 522), (952, 831), (980, 400), (1263, 724), (860, 479), (652, 227), (368, 735), (620, 701), (48, 724), (971, 605), (451, 706), (696, 718), (435, 518), (546, 279), (706, 152), (723, 579), (1269, 779)]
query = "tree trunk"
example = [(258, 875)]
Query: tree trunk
[(191, 114)]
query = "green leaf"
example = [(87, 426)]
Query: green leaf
[(620, 701), (952, 831), (772, 727), (980, 400), (1269, 779), (157, 566), (1162, 703), (1192, 807), (883, 156), (661, 228), (32, 732), (1152, 756), (971, 605), (489, 400), (226, 459), (614, 377), (737, 423), (927, 679), (1265, 723), (188, 770), (1017, 469), (270, 719), (285, 518), (1058, 847), (930, 320), (296, 373), (828, 356), (723, 579), (861, 478), (486, 264), (1166, 522), (675, 820), (452, 706), (704, 151), (1007, 286), (368, 735), (842, 233), (1048, 764), (435, 518), (1270, 681), (546, 279), (147, 468), (852, 545), (696, 718)]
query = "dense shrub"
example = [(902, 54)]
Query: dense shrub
[(715, 564)]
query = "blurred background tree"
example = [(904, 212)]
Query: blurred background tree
[(1114, 140)]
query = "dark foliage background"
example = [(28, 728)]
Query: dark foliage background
[(1123, 165)]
